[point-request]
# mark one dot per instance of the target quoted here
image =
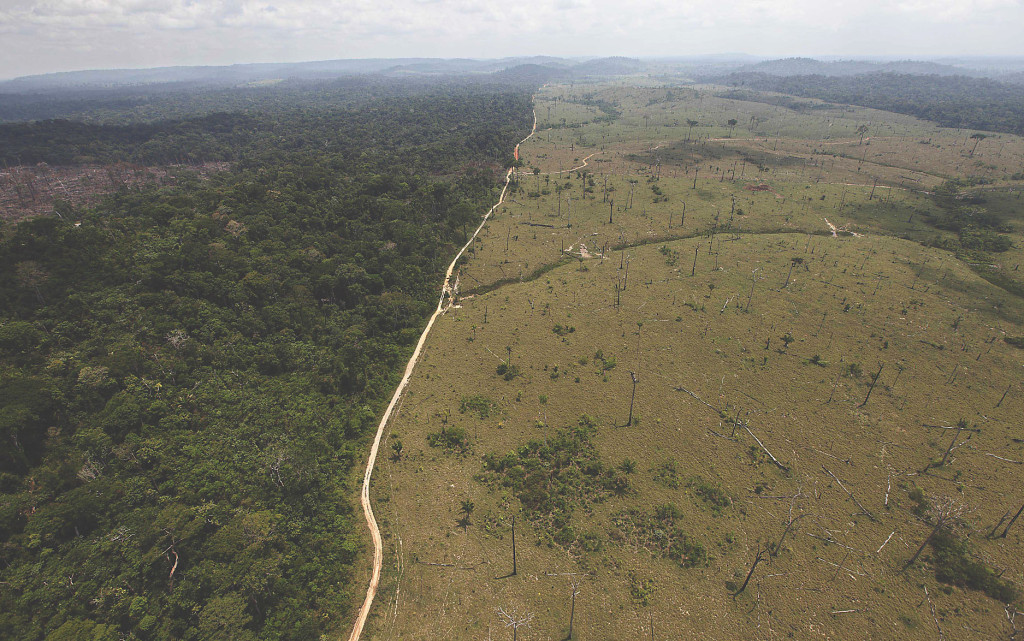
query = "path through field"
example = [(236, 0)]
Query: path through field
[(443, 304)]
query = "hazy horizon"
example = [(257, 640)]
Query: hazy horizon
[(47, 36)]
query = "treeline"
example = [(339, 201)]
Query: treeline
[(156, 102), (398, 124), (950, 101), (188, 377)]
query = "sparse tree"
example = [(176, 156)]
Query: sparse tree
[(632, 375), (515, 618), (761, 552), (691, 124), (978, 137), (793, 262), (944, 512)]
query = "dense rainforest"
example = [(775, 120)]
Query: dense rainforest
[(189, 375), (950, 101)]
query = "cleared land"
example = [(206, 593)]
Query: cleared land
[(812, 397)]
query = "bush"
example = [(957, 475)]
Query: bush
[(667, 474), (454, 439), (508, 372), (713, 495), (953, 565), (479, 405)]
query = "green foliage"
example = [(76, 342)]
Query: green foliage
[(954, 565), (453, 439), (551, 478), (671, 255), (192, 374), (563, 330), (713, 495), (659, 533), (921, 503), (667, 473), (477, 404), (951, 101), (508, 372), (641, 589)]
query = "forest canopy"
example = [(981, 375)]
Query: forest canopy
[(951, 101), (189, 374)]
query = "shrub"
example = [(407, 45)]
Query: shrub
[(713, 495), (953, 565), (667, 474), (508, 372), (479, 405), (454, 439)]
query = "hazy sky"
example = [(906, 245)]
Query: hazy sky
[(38, 36)]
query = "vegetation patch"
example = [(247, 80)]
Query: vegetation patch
[(659, 533), (711, 494), (479, 405), (553, 477), (954, 565), (453, 439), (666, 473)]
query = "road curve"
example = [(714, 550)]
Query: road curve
[(442, 305)]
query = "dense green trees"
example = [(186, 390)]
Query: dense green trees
[(187, 377), (951, 101)]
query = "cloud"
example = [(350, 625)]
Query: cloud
[(46, 35)]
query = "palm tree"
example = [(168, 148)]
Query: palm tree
[(466, 510)]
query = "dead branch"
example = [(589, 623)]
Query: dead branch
[(863, 509), (770, 455)]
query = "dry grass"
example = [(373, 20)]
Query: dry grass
[(865, 302)]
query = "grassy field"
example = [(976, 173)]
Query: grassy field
[(794, 392)]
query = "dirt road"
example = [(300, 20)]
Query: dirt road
[(443, 304)]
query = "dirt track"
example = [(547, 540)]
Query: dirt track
[(443, 304)]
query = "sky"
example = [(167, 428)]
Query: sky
[(41, 36)]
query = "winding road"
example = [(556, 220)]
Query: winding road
[(446, 300)]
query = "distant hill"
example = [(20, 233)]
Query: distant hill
[(244, 74), (950, 101), (615, 66), (810, 66)]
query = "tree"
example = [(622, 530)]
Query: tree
[(732, 126), (466, 510), (574, 583), (761, 552), (632, 398), (977, 137), (944, 512), (515, 618), (796, 260), (691, 124)]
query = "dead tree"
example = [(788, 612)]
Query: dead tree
[(632, 375), (873, 381), (574, 583), (944, 512), (960, 427), (1003, 397), (757, 559), (513, 545), (796, 260), (1012, 521), (515, 619)]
